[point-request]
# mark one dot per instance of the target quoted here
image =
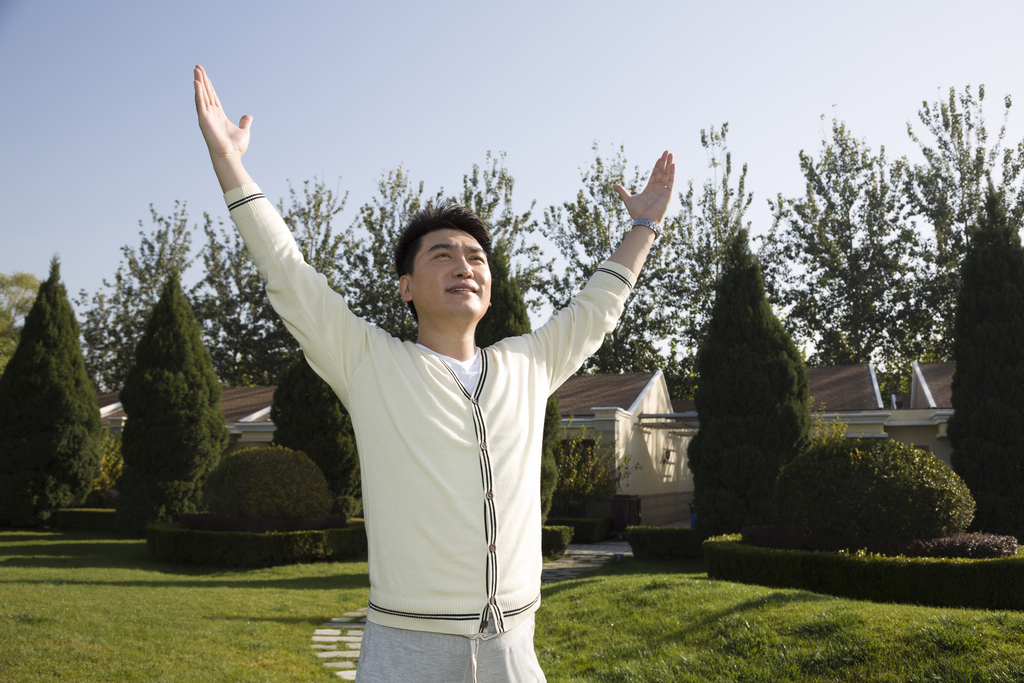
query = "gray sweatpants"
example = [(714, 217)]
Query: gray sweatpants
[(393, 655)]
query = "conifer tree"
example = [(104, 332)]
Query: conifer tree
[(308, 417), (49, 420), (987, 426), (752, 401), (175, 432), (507, 317)]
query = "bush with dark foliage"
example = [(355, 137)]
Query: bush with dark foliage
[(862, 489), (175, 430), (752, 399), (49, 421), (268, 482), (987, 426)]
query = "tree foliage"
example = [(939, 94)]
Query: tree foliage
[(248, 342), (372, 291), (114, 319), (17, 293), (308, 417), (947, 192), (487, 192), (175, 431), (987, 426), (694, 260), (49, 419), (752, 401), (586, 232), (850, 248)]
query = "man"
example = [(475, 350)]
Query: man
[(449, 435)]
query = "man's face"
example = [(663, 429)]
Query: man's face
[(450, 281)]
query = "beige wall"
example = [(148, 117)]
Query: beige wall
[(923, 428), (664, 485)]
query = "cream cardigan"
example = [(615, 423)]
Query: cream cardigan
[(450, 479)]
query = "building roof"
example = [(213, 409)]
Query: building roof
[(939, 379), (235, 402), (579, 395), (843, 388)]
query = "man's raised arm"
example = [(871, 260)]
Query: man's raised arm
[(226, 141), (650, 204)]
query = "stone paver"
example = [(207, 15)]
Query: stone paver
[(347, 629)]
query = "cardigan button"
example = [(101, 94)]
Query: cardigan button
[(474, 401), (490, 495), (483, 445), (494, 601), (493, 548)]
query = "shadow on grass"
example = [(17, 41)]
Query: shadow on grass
[(336, 582), (91, 550)]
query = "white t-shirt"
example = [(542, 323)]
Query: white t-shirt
[(468, 371)]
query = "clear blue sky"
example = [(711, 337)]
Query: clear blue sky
[(98, 121)]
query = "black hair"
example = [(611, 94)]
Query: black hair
[(439, 216)]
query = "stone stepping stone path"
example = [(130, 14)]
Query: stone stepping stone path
[(336, 643)]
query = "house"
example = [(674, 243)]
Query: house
[(633, 414), (246, 410)]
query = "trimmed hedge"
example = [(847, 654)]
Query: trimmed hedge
[(975, 584), (664, 543), (85, 519), (174, 543), (585, 529), (974, 546), (555, 539)]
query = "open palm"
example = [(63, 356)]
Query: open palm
[(223, 138), (653, 201)]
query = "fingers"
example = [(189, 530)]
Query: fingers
[(623, 194), (245, 122)]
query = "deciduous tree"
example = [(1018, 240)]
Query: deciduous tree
[(115, 317), (703, 227), (17, 292), (850, 248), (585, 232), (248, 341), (947, 192)]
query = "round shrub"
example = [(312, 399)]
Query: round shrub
[(268, 481), (863, 489)]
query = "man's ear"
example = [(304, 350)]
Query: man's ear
[(405, 287)]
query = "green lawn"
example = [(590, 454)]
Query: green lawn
[(88, 607)]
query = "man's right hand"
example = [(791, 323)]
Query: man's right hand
[(226, 141)]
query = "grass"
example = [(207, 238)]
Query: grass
[(76, 606), (662, 621)]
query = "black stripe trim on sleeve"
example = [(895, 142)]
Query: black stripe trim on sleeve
[(245, 200), (613, 273)]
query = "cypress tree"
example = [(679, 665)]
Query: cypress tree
[(752, 401), (507, 317), (987, 426), (49, 420), (175, 432), (308, 417)]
